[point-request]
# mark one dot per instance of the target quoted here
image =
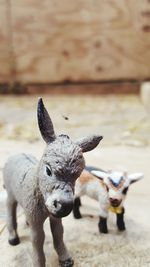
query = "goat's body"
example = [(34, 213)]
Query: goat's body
[(91, 189), (87, 184)]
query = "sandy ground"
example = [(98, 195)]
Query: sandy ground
[(126, 130)]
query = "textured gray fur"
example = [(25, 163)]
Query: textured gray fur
[(45, 188)]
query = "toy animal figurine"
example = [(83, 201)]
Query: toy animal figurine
[(109, 189), (45, 188)]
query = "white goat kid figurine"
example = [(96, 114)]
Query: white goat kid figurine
[(46, 188), (109, 189)]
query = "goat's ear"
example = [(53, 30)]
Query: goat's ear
[(45, 123), (134, 177), (89, 143), (99, 174)]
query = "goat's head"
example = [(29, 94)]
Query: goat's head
[(117, 184), (61, 164)]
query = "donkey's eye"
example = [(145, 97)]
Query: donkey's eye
[(125, 191), (48, 171)]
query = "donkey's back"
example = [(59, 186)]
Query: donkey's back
[(17, 170)]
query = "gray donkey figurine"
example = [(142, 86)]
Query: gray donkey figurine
[(45, 188)]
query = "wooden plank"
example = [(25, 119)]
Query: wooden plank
[(116, 87), (80, 40)]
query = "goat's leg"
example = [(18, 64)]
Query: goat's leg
[(76, 208), (11, 221), (102, 225), (57, 231), (37, 237), (120, 220)]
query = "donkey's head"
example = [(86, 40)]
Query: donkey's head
[(61, 164), (117, 184)]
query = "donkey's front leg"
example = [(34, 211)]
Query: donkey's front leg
[(57, 231), (37, 237)]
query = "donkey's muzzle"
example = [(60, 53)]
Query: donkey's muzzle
[(62, 209)]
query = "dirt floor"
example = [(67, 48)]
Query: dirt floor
[(126, 128)]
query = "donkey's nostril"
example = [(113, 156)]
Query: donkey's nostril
[(55, 203)]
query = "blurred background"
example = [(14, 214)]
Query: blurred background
[(90, 61)]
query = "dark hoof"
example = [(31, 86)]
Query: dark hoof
[(67, 263), (122, 228), (77, 216), (103, 230), (121, 225), (14, 242)]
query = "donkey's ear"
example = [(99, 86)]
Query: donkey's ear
[(89, 143), (45, 123), (134, 177), (99, 174)]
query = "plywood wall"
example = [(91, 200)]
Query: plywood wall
[(74, 40), (4, 42)]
